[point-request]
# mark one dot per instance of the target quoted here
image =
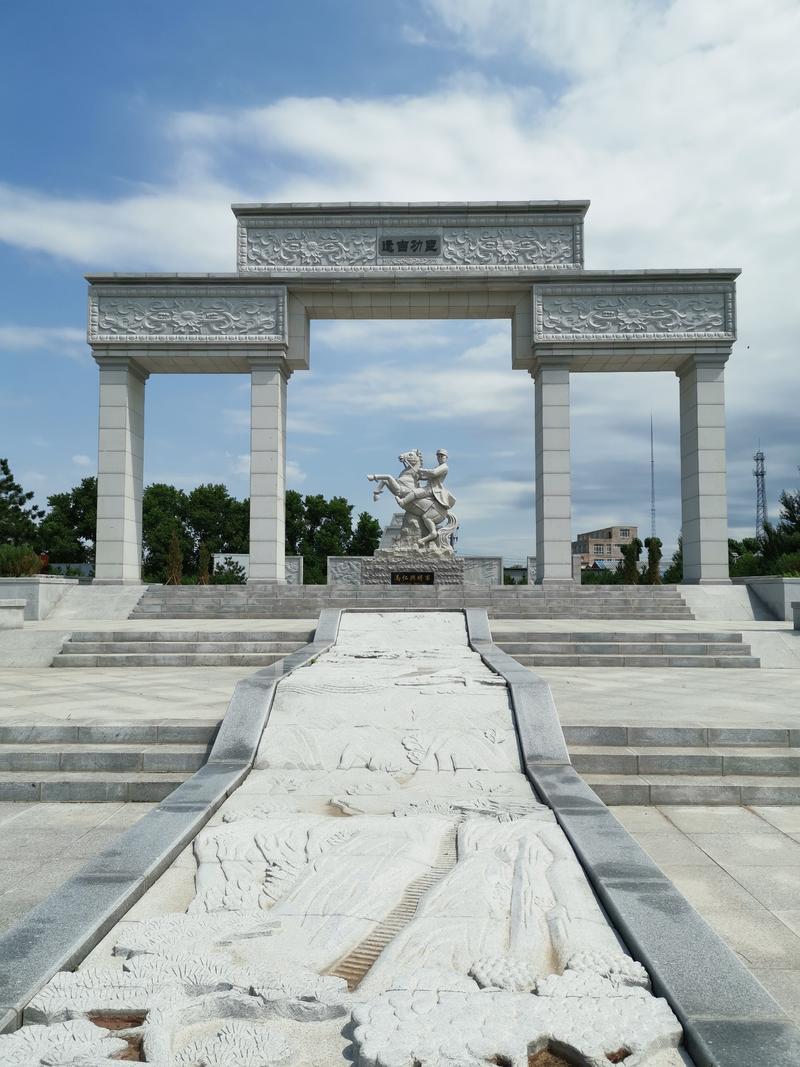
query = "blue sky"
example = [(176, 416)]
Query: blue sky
[(127, 130)]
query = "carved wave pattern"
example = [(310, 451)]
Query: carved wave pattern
[(632, 315), (308, 248), (189, 318), (536, 245)]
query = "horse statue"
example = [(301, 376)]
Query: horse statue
[(428, 522)]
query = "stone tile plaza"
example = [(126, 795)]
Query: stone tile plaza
[(413, 816)]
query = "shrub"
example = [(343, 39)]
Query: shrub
[(19, 561), (230, 573)]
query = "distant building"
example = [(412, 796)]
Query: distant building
[(603, 545)]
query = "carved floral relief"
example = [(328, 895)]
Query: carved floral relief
[(309, 248), (510, 245)]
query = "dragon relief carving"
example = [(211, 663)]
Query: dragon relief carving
[(186, 318), (631, 315)]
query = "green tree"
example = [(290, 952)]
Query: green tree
[(67, 532), (366, 536), (203, 566), (163, 511), (18, 516), (630, 561), (295, 522), (673, 575), (174, 571), (216, 519), (317, 528), (653, 546)]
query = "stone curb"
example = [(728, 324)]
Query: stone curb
[(61, 930), (728, 1018)]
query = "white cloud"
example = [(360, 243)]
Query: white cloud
[(82, 461), (295, 475), (60, 340)]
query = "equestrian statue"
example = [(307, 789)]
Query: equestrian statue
[(428, 523)]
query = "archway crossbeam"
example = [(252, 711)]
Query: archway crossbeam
[(521, 261)]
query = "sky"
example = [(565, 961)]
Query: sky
[(127, 130)]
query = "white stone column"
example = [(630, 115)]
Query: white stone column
[(120, 463), (704, 503), (553, 494), (268, 377)]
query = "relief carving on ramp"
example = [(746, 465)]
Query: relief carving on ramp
[(383, 890)]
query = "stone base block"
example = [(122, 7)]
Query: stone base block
[(377, 570), (12, 613)]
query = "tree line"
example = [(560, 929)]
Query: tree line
[(180, 529)]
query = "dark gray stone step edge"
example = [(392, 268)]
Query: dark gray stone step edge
[(60, 931), (728, 1017)]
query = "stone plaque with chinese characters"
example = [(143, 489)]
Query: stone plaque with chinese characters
[(412, 578), (408, 245)]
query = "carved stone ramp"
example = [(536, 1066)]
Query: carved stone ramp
[(728, 1017), (354, 966)]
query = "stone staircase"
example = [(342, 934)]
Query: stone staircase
[(179, 648), (609, 649), (256, 601), (71, 762), (688, 764)]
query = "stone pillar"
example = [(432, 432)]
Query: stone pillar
[(553, 500), (268, 377), (120, 462), (704, 505)]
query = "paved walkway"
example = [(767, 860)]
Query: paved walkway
[(41, 845), (740, 867), (121, 694)]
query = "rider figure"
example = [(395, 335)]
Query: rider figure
[(435, 477)]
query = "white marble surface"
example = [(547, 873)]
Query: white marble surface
[(383, 890)]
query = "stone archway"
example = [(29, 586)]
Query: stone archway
[(521, 260)]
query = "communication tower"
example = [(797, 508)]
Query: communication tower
[(761, 493), (652, 482)]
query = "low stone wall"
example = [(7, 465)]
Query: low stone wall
[(12, 613), (776, 594), (796, 613), (41, 593), (294, 565)]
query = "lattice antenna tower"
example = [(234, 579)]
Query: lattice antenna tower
[(652, 482), (761, 492)]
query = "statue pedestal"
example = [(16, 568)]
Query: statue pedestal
[(412, 570), (378, 570)]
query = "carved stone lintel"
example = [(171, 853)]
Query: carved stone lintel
[(687, 311), (407, 244), (128, 314)]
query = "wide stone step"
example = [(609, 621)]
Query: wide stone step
[(633, 660), (168, 659), (88, 787), (88, 648), (694, 789), (176, 732), (707, 760), (293, 637), (529, 636), (622, 648), (682, 736), (120, 758)]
